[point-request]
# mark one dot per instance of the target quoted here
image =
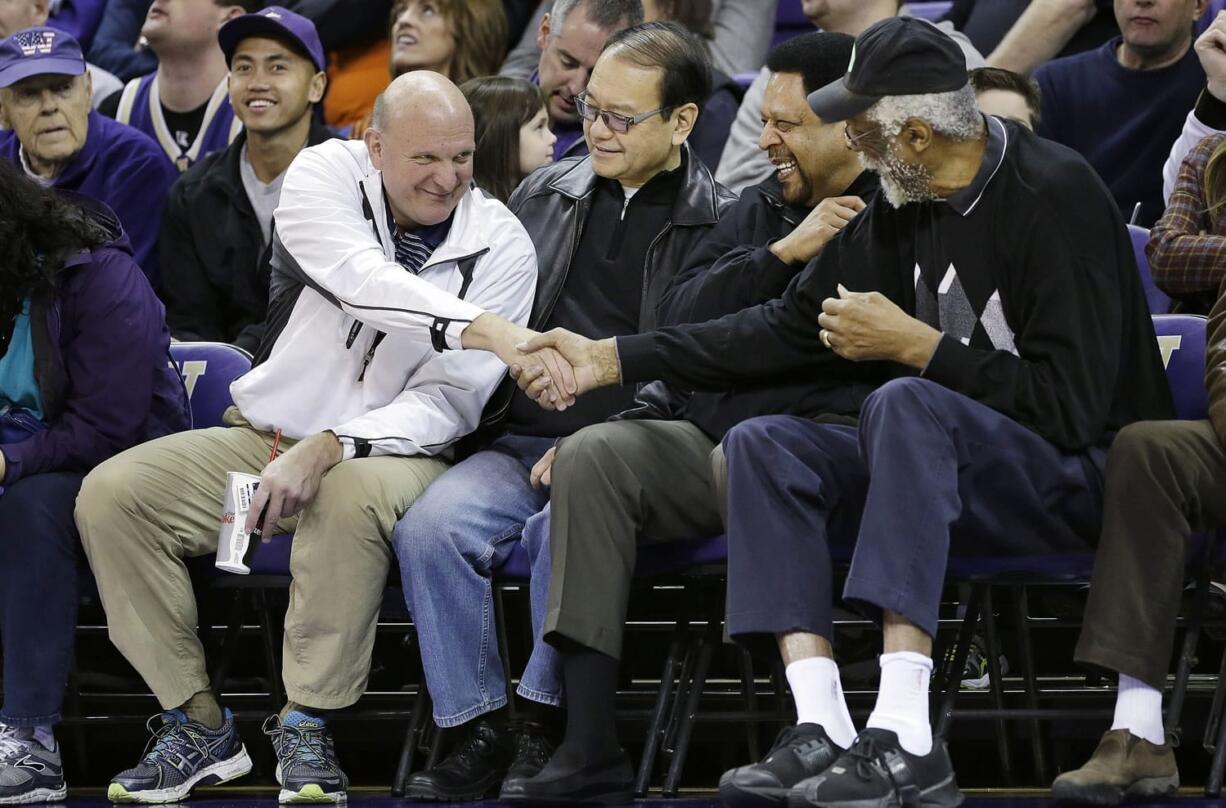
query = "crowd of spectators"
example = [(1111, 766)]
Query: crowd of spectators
[(583, 275)]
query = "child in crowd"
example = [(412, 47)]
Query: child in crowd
[(513, 136)]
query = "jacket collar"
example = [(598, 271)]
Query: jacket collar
[(465, 239), (696, 205)]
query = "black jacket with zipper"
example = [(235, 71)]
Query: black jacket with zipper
[(731, 270), (553, 204), (215, 270)]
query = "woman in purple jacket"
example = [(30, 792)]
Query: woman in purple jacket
[(84, 374)]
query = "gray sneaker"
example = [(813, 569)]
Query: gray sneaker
[(29, 772), (307, 768)]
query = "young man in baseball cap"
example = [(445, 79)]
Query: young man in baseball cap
[(59, 141), (218, 224), (986, 318)]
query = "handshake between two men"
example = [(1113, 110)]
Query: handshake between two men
[(555, 367)]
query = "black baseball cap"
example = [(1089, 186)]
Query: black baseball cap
[(897, 56)]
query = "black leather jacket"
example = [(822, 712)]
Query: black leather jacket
[(553, 204)]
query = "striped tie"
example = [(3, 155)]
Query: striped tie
[(411, 252)]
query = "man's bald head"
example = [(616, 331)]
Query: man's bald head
[(420, 94), (421, 138)]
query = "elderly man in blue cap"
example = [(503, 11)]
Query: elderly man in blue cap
[(59, 141)]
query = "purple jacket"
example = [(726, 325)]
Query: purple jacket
[(101, 358), (125, 170)]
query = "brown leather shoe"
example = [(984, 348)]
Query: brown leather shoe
[(1122, 766)]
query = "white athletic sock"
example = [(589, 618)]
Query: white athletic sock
[(818, 692), (1138, 709), (902, 701)]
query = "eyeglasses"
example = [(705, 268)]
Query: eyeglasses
[(616, 122), (852, 140)]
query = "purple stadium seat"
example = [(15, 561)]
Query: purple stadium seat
[(1181, 339), (208, 368), (1157, 299)]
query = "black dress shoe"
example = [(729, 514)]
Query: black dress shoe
[(532, 752), (473, 771), (608, 782), (800, 752)]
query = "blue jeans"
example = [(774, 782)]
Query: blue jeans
[(38, 594), (449, 543)]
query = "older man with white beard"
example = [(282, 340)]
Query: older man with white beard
[(989, 301)]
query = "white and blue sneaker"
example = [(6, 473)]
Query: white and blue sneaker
[(181, 755), (307, 768), (29, 771)]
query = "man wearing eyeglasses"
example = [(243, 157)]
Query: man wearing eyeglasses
[(611, 230)]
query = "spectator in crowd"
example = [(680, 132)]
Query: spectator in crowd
[(59, 141), (994, 396), (610, 232), (742, 164), (569, 39), (649, 476), (118, 45), (719, 110), (738, 32), (217, 234), (183, 105), (1208, 117), (1187, 247), (1020, 35), (1120, 106), (1164, 482), (513, 135), (18, 15), (1007, 94), (84, 374), (384, 257), (462, 39)]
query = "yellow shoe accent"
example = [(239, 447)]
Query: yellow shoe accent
[(117, 793), (313, 793)]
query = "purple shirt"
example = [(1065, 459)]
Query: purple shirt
[(126, 171)]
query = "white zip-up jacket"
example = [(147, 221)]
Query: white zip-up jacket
[(336, 287)]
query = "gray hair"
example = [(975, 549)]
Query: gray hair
[(608, 15), (954, 114)]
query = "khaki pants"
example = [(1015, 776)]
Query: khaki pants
[(616, 486), (142, 512)]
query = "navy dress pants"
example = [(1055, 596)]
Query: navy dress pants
[(927, 472), (39, 549)]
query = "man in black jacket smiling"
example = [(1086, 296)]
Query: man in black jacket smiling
[(990, 296), (216, 231)]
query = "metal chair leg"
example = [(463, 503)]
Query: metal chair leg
[(685, 728), (750, 695), (1026, 652), (996, 685), (1191, 636), (229, 643), (276, 694), (962, 649), (504, 649), (412, 735), (1213, 785), (660, 713)]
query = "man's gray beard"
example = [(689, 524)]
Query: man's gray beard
[(901, 182)]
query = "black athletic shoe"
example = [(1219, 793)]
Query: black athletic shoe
[(876, 772), (608, 782), (799, 752), (473, 771), (532, 752)]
